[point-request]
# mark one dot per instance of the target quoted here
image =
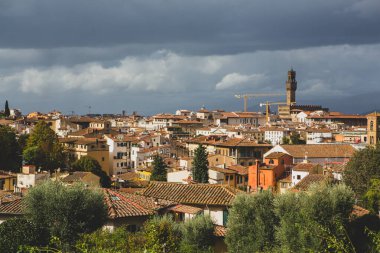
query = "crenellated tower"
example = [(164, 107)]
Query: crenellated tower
[(291, 87)]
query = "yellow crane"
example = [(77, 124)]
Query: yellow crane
[(246, 96), (268, 104)]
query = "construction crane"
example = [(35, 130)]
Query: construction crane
[(252, 95), (267, 109)]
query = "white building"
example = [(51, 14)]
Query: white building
[(30, 178), (275, 135), (119, 153), (316, 136)]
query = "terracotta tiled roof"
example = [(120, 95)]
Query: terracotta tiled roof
[(237, 142), (310, 179), (275, 155), (77, 176), (202, 194), (126, 205), (128, 176), (185, 209), (220, 231), (14, 206), (320, 150), (241, 170), (358, 211), (305, 167)]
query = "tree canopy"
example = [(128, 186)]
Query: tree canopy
[(200, 165), (10, 153), (198, 235), (7, 112), (65, 212), (43, 148), (89, 164), (362, 167), (292, 222), (159, 172)]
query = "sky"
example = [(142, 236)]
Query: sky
[(156, 56)]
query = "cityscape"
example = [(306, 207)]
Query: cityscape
[(149, 127)]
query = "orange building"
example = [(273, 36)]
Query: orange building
[(265, 175)]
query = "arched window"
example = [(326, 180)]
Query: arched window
[(371, 126)]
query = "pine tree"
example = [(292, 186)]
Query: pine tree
[(200, 165), (7, 112), (159, 172)]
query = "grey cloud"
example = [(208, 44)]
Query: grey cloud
[(199, 26)]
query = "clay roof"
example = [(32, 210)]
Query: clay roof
[(14, 206), (220, 231), (201, 194), (122, 205), (310, 179), (185, 209), (320, 150), (275, 155), (77, 176), (221, 170), (128, 176), (241, 170), (305, 167), (358, 211)]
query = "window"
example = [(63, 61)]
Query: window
[(371, 126), (132, 228), (298, 177), (271, 161), (103, 159)]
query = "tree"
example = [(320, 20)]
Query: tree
[(251, 223), (314, 221), (295, 139), (89, 164), (65, 212), (43, 148), (362, 167), (7, 112), (17, 232), (372, 197), (161, 235), (200, 165), (10, 153), (105, 241), (159, 172), (198, 235)]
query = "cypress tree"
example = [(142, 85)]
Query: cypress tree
[(7, 112), (200, 165), (159, 172)]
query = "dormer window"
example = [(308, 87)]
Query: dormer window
[(271, 161)]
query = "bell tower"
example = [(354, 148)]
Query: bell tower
[(291, 87)]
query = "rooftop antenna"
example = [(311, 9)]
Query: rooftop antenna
[(89, 109)]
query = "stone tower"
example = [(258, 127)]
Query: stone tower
[(291, 87), (373, 128)]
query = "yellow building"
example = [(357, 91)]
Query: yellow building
[(7, 181), (373, 128), (92, 147)]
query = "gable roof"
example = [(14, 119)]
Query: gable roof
[(310, 179), (320, 150), (201, 194), (14, 206), (121, 205)]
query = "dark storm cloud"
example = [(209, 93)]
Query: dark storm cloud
[(198, 26), (160, 55)]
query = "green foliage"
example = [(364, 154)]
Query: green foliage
[(10, 154), (7, 112), (65, 212), (200, 165), (43, 148), (372, 197), (161, 235), (159, 172), (251, 223), (295, 139), (104, 241), (285, 140), (198, 235), (89, 164), (17, 232), (313, 221), (362, 167)]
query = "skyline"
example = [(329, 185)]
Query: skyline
[(117, 55)]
